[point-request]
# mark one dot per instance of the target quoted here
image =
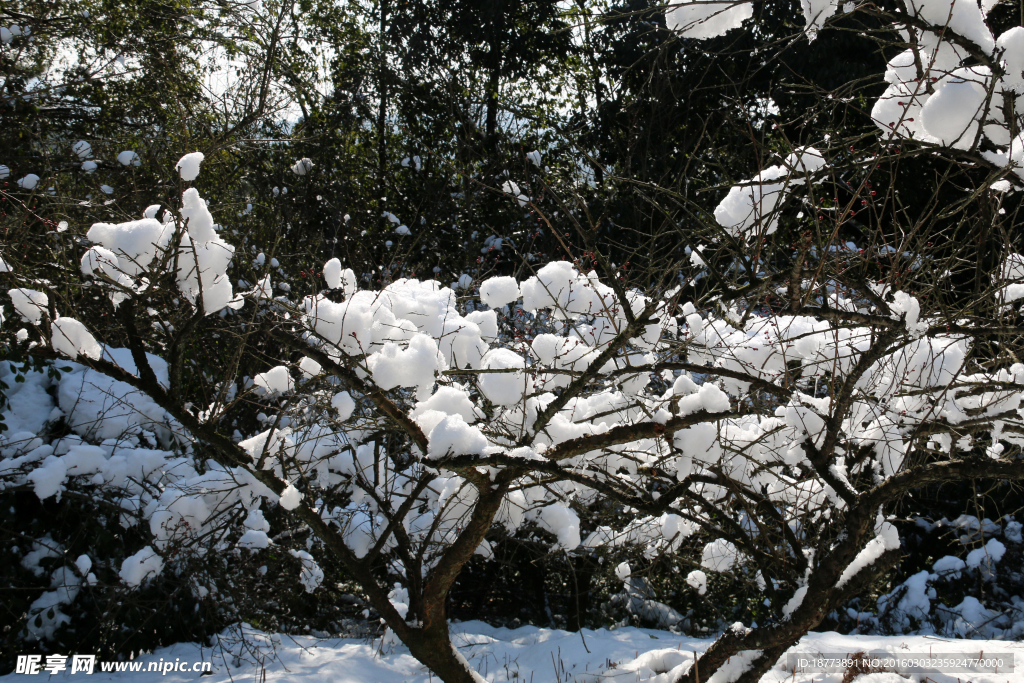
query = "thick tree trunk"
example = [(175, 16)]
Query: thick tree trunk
[(766, 661), (434, 648), (774, 639), (430, 642)]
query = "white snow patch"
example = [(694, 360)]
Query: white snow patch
[(645, 655), (141, 566), (498, 291), (129, 158), (188, 165), (73, 339)]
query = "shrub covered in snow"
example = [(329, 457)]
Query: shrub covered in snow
[(409, 430), (748, 408)]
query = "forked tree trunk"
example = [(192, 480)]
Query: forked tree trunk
[(430, 642)]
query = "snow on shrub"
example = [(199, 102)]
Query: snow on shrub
[(188, 165), (768, 439)]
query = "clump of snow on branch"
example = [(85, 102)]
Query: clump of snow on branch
[(753, 205), (699, 19), (188, 165)]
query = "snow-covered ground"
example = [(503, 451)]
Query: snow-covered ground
[(531, 655)]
